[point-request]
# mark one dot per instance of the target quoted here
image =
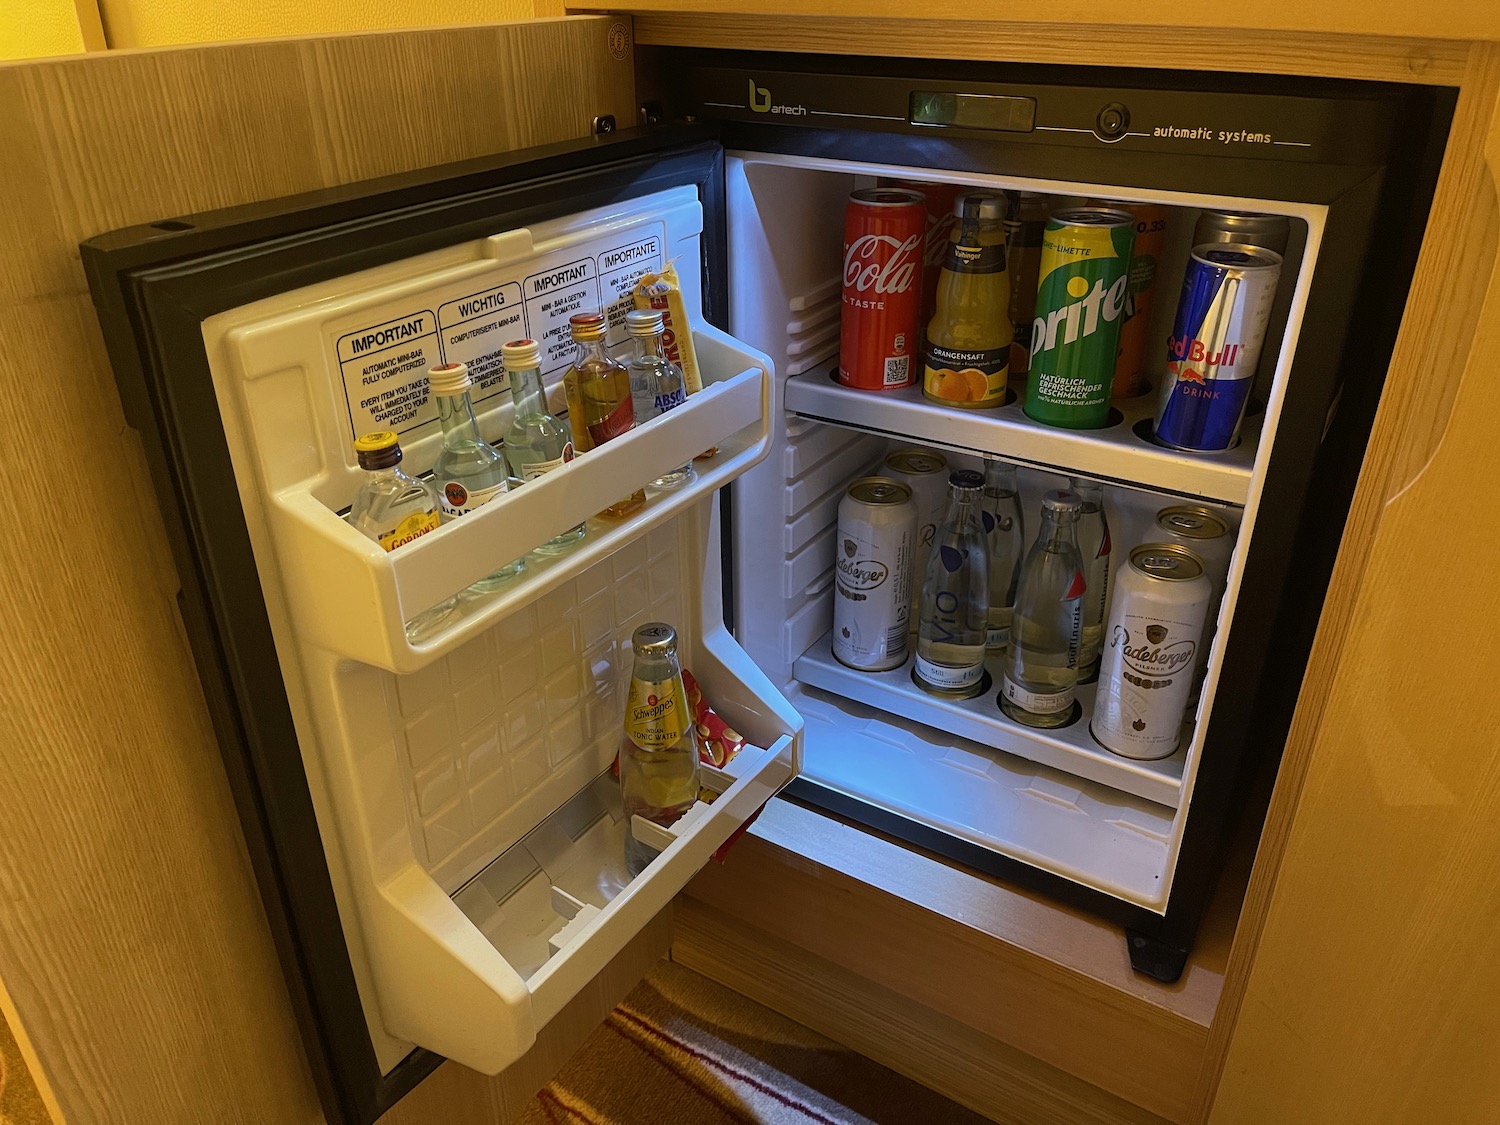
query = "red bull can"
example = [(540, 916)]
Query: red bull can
[(1215, 344)]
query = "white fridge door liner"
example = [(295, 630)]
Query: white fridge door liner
[(446, 768)]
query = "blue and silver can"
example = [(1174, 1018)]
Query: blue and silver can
[(1215, 344)]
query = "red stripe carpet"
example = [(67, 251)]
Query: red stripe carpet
[(682, 1050)]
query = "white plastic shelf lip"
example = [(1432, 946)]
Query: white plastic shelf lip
[(1071, 749), (1115, 453)]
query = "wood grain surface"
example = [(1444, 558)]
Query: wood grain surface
[(899, 34), (133, 943)]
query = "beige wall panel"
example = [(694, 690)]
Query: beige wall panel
[(1375, 985), (133, 943), (160, 23)]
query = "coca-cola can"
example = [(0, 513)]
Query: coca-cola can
[(880, 331), (873, 570), (1156, 616), (940, 220)]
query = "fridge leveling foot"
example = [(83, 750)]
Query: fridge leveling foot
[(1157, 959)]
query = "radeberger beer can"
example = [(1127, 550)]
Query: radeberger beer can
[(1080, 305), (1151, 645), (873, 572)]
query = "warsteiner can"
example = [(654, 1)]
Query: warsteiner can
[(1080, 305), (1215, 344), (873, 574), (880, 332), (1161, 598)]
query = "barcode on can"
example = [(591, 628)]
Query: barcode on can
[(897, 370), (895, 638)]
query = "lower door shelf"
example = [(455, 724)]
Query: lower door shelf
[(1071, 749)]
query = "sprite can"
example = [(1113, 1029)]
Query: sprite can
[(1080, 305)]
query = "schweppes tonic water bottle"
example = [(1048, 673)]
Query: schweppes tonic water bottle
[(1080, 306), (658, 759)]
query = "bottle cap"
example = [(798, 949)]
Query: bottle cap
[(1060, 500), (965, 479), (379, 450), (449, 379), (521, 355), (655, 638), (986, 206), (643, 322), (587, 326)]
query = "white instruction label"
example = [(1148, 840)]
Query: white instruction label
[(385, 373), (619, 270), (473, 329), (553, 296)]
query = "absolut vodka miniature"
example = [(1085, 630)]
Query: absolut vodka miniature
[(656, 384), (955, 596)]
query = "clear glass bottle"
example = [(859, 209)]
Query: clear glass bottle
[(1094, 548), (955, 596), (1041, 661), (393, 509), (1006, 528), (967, 353), (658, 758), (536, 442), (600, 408), (656, 383), (468, 472)]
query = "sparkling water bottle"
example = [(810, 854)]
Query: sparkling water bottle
[(955, 596), (1094, 549), (1006, 529), (1041, 661)]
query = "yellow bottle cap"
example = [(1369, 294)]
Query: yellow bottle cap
[(373, 443)]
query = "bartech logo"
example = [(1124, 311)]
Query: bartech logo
[(760, 102)]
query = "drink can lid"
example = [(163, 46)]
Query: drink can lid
[(448, 379), (521, 355), (655, 638), (1061, 500), (643, 322)]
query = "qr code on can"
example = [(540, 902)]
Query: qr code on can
[(897, 370)]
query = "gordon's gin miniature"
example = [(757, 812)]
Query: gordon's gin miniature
[(468, 472), (658, 757), (1006, 531), (880, 333), (656, 383), (600, 407), (875, 555), (536, 442), (1094, 547), (1155, 628), (395, 509), (955, 596), (1041, 662), (1215, 345)]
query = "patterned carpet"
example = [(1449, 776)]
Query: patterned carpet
[(682, 1050), (20, 1104)]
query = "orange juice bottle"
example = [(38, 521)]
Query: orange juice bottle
[(968, 339)]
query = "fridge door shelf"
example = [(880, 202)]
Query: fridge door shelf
[(352, 598), (1118, 452), (474, 975), (1071, 749)]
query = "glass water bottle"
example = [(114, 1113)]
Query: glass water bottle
[(394, 509), (1041, 661), (658, 758), (536, 442), (1006, 530), (600, 408), (1094, 549), (955, 596), (656, 383), (468, 472)]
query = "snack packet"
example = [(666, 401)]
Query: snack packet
[(663, 291), (718, 743)]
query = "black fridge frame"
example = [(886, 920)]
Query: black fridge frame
[(154, 285)]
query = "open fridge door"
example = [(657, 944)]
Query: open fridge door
[(472, 833)]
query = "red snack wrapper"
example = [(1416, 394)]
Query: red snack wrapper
[(717, 741)]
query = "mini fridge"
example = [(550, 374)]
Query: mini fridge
[(435, 829)]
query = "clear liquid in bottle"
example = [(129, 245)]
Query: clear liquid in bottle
[(1006, 530), (656, 383), (1041, 661), (1094, 548), (536, 442), (955, 596)]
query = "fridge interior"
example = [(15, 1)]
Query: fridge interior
[(462, 786), (1054, 799)]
